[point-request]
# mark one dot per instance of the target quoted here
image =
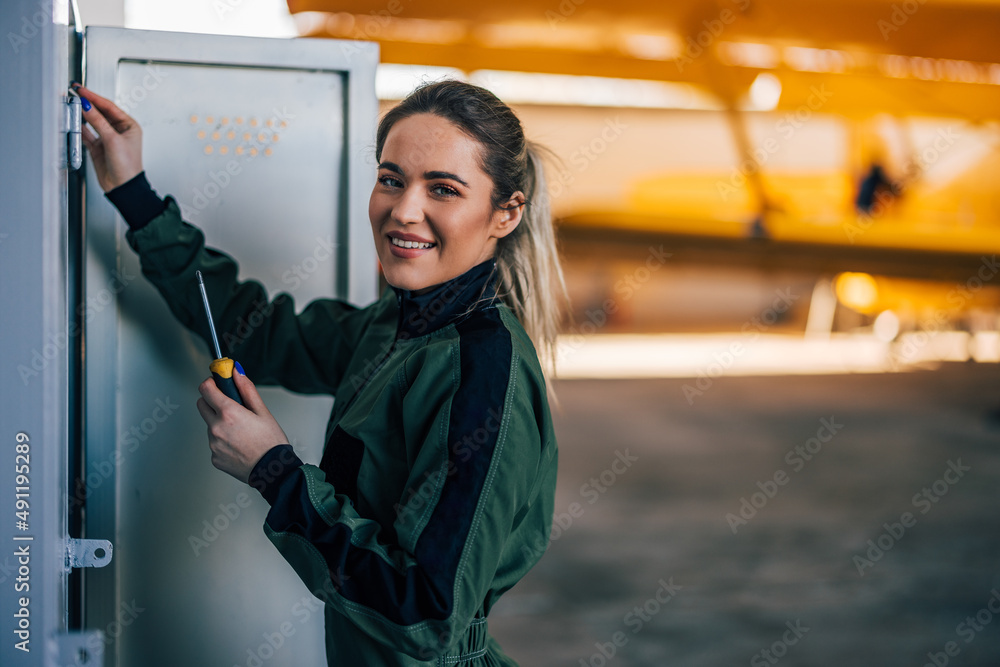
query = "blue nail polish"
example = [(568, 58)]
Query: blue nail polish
[(85, 102), (239, 369)]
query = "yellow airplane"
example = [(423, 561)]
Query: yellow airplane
[(855, 135)]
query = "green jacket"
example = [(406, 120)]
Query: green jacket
[(435, 491)]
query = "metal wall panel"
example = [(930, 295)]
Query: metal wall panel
[(251, 137), (34, 331)]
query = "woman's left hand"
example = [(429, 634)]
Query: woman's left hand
[(238, 436)]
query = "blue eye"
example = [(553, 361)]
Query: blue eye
[(390, 181)]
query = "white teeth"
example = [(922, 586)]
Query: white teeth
[(408, 244)]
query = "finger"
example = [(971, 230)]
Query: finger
[(251, 397), (98, 122), (117, 118), (207, 413), (213, 395), (89, 138)]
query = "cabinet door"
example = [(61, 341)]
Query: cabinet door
[(250, 136)]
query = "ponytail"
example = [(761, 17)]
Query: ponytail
[(531, 277)]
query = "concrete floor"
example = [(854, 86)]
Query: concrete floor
[(663, 519)]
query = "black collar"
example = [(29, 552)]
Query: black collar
[(421, 314)]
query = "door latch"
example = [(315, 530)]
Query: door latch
[(87, 553)]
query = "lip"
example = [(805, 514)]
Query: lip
[(408, 253)]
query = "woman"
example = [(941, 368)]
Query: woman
[(436, 486)]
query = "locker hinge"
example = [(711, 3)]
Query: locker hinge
[(72, 124), (87, 553), (79, 649)]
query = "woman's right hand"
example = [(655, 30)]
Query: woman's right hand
[(117, 152)]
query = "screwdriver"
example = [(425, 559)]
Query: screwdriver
[(222, 367)]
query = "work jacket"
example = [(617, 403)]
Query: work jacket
[(435, 490)]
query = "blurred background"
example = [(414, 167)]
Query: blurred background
[(779, 219)]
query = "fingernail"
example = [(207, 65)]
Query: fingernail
[(85, 102), (239, 369), (75, 85)]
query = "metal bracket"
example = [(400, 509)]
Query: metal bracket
[(80, 649), (87, 553), (72, 126)]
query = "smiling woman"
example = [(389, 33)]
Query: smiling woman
[(437, 479), (432, 223), (497, 188)]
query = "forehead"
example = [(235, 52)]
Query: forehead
[(427, 142)]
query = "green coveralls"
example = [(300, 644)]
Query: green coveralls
[(435, 492)]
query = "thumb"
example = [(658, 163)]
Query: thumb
[(248, 392)]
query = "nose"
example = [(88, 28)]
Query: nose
[(409, 207)]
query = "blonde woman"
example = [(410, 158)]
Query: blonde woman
[(437, 480)]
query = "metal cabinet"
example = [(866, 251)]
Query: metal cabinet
[(268, 146)]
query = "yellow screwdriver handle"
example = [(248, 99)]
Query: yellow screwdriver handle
[(222, 371)]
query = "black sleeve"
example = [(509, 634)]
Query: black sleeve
[(268, 474), (136, 201)]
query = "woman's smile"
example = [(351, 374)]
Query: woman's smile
[(431, 209), (408, 245)]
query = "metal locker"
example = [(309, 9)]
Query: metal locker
[(268, 146)]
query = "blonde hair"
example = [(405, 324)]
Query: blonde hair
[(528, 261), (531, 278)]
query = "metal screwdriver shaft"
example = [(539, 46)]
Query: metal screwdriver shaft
[(208, 312), (222, 367)]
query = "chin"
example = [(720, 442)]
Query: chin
[(408, 278)]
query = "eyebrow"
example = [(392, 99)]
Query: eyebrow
[(429, 175)]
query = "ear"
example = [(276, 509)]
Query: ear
[(508, 217)]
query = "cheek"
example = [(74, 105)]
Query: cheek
[(373, 207)]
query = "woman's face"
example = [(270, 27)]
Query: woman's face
[(430, 209)]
